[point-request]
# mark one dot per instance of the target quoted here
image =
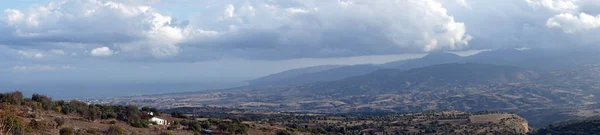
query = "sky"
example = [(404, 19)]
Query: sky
[(94, 46)]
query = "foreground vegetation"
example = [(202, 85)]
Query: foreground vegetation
[(41, 115)]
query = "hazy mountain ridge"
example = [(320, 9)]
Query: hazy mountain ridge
[(277, 77), (323, 76), (454, 74), (341, 72), (543, 60)]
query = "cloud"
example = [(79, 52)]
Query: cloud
[(464, 3), (130, 26), (570, 17), (102, 52), (555, 5), (314, 28), (57, 52), (570, 23), (31, 53), (290, 29), (259, 29), (41, 68)]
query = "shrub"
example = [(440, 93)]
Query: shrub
[(58, 109), (45, 100), (66, 131), (12, 123), (13, 98), (37, 125), (140, 124), (114, 130), (92, 131), (283, 132), (59, 122), (178, 115)]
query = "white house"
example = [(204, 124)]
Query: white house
[(159, 121)]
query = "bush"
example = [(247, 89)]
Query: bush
[(140, 124), (44, 100), (114, 130), (66, 131), (178, 115), (37, 125), (13, 98), (11, 123), (283, 132), (59, 122), (92, 131)]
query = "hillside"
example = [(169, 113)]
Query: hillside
[(454, 74), (542, 98), (584, 127), (334, 73), (543, 60), (279, 78), (41, 115), (324, 76)]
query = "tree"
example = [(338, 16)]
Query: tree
[(154, 111), (241, 129), (178, 115), (66, 131), (223, 127), (146, 109), (92, 113), (46, 101)]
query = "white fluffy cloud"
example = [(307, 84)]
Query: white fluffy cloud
[(128, 25), (260, 29), (570, 23), (315, 28), (101, 51), (570, 17), (289, 29)]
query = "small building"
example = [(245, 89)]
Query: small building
[(159, 121)]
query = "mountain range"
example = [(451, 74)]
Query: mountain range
[(542, 87), (534, 59)]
